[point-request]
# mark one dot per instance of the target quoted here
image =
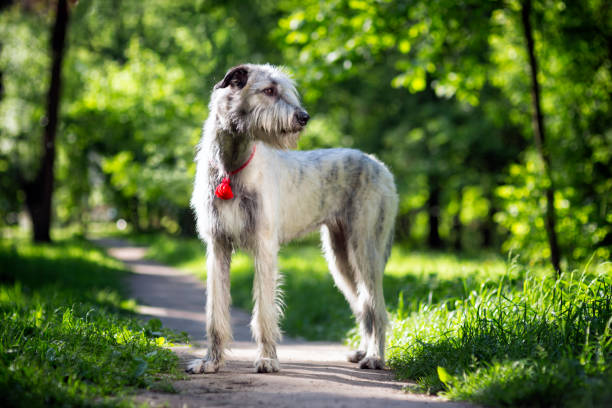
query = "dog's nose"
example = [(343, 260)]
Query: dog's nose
[(302, 117)]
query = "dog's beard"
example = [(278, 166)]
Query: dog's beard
[(280, 140)]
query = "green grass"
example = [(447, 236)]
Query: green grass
[(536, 342), (68, 337), (475, 328)]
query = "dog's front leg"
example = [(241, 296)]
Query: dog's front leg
[(218, 325), (267, 310)]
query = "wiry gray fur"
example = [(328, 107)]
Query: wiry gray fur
[(279, 196)]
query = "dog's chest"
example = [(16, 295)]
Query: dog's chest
[(236, 217), (229, 218)]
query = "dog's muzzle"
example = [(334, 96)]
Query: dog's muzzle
[(302, 117)]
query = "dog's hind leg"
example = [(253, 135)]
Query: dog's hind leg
[(218, 325), (368, 247), (267, 308), (369, 253), (373, 314), (333, 238)]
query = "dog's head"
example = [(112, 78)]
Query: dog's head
[(259, 101)]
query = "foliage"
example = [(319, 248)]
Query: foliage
[(437, 89), (522, 216), (67, 336), (472, 53)]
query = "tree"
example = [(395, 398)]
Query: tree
[(539, 136), (39, 191)]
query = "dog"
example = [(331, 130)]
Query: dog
[(252, 192)]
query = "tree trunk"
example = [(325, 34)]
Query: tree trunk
[(187, 222), (39, 192), (403, 226), (457, 226), (134, 214), (540, 140), (433, 212)]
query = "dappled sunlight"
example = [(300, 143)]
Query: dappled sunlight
[(306, 258), (162, 312), (242, 263), (404, 261)]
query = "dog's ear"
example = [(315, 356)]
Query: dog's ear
[(236, 77)]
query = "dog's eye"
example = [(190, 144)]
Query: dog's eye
[(270, 91)]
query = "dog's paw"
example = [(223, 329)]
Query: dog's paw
[(373, 363), (195, 366), (267, 365), (355, 356), (200, 366)]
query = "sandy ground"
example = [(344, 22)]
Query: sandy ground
[(313, 374)]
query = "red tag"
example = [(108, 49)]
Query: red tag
[(223, 190)]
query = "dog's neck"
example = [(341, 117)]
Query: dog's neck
[(231, 150)]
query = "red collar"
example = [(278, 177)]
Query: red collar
[(223, 190), (246, 163)]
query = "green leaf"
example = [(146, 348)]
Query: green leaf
[(404, 46), (444, 376), (154, 324), (141, 367)]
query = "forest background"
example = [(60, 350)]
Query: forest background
[(442, 91)]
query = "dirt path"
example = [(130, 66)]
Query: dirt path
[(313, 374)]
